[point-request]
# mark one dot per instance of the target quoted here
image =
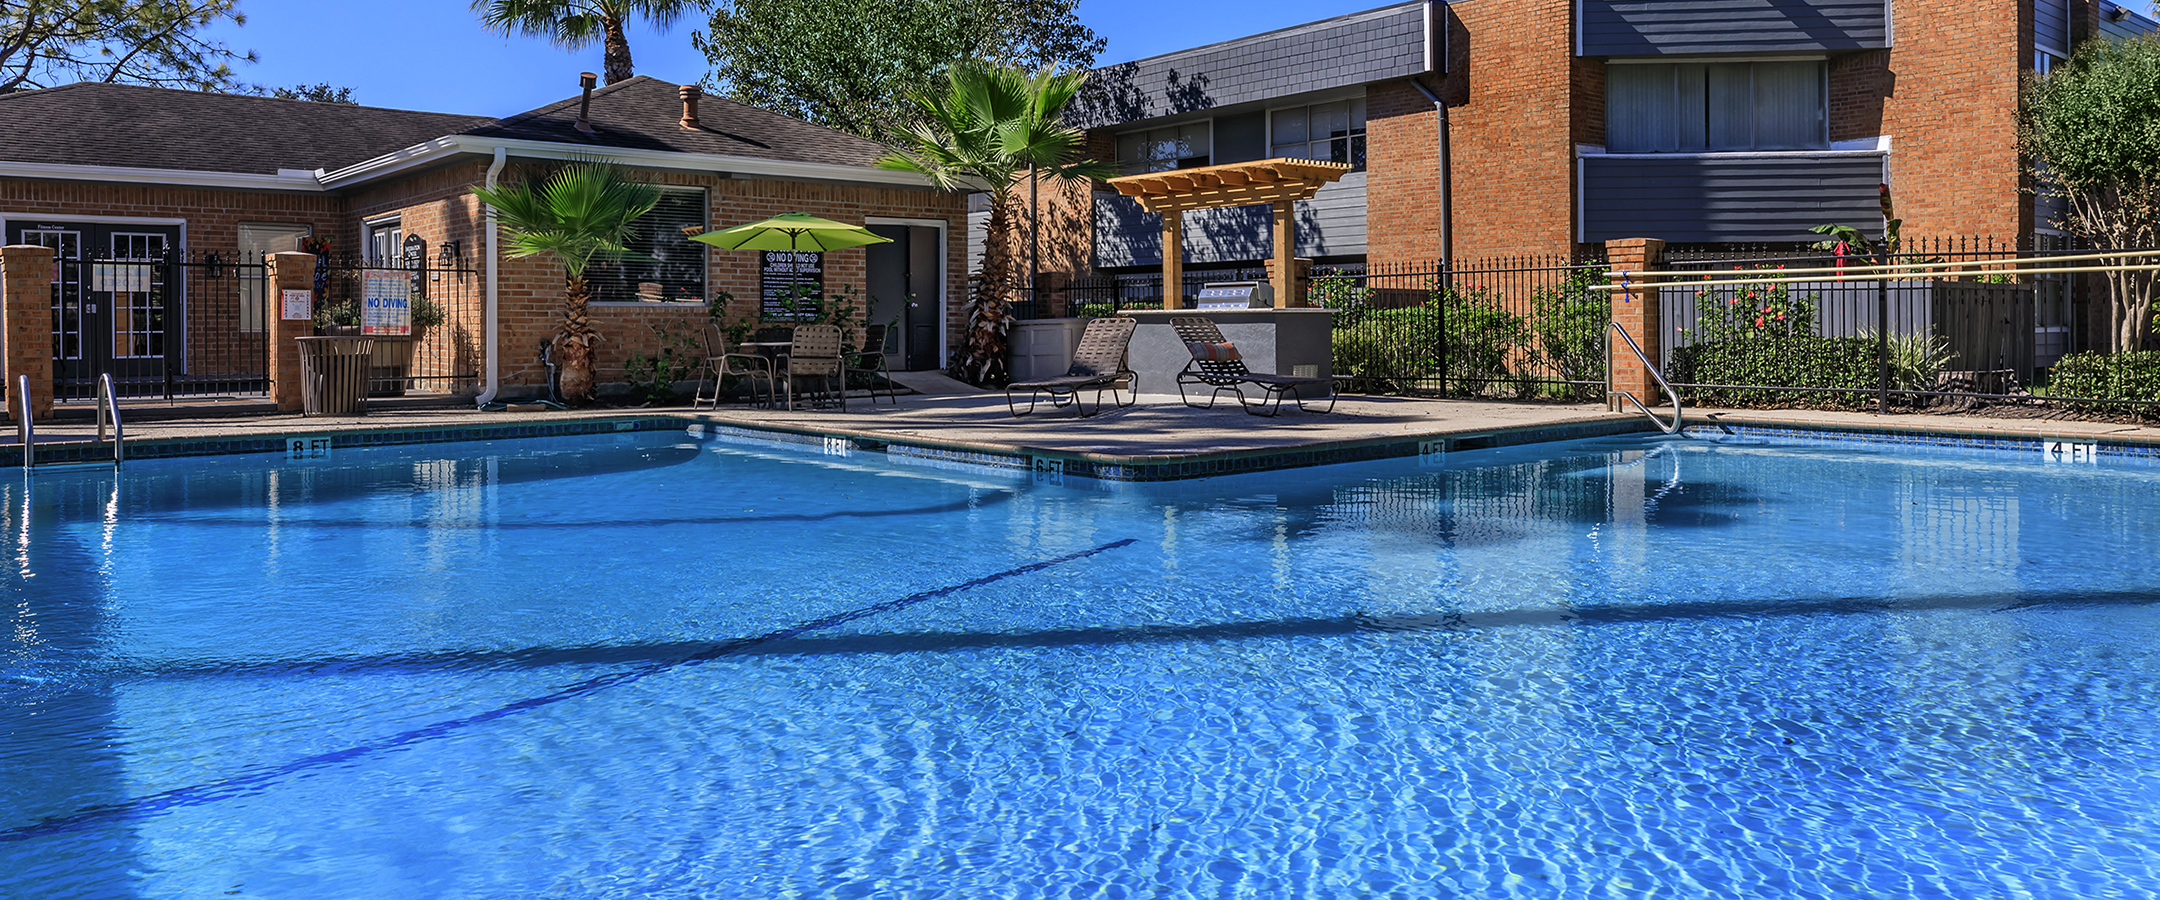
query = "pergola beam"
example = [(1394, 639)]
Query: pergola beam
[(1279, 183)]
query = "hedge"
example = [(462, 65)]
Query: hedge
[(1789, 361)]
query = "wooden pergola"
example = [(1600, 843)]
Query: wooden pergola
[(1277, 182)]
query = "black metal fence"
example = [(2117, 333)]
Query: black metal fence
[(442, 354), (1770, 327), (178, 325), (1520, 327)]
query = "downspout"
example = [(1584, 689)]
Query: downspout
[(490, 326), (1447, 175)]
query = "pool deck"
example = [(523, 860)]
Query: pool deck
[(1154, 440)]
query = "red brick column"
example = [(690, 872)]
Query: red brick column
[(288, 272), (26, 280), (1637, 312)]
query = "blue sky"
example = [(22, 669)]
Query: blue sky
[(432, 54)]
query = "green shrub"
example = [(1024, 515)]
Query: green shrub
[(1345, 294), (1569, 325), (2107, 376), (1788, 361), (1482, 339), (1389, 350)]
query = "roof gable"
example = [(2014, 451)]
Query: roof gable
[(645, 113)]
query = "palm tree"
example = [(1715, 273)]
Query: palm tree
[(580, 214), (993, 124), (576, 24)]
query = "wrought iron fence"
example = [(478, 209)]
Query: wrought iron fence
[(178, 325), (443, 351), (1791, 327), (1519, 327)]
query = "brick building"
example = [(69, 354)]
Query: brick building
[(1488, 128), (133, 173)]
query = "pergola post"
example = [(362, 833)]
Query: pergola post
[(1173, 259), (1285, 251)]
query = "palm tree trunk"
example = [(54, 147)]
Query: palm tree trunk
[(574, 341), (615, 58)]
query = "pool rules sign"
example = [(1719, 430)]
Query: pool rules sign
[(386, 303), (295, 306)]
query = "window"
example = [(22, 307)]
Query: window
[(384, 240), (1331, 132), (664, 263), (1162, 149), (1699, 107), (257, 241)]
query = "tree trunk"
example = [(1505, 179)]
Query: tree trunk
[(982, 358), (615, 57), (574, 341)]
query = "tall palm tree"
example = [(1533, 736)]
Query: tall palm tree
[(576, 24), (580, 214), (992, 125)]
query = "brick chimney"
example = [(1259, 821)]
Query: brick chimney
[(584, 106), (689, 94)]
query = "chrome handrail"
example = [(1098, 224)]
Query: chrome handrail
[(108, 407), (1677, 412), (24, 432)]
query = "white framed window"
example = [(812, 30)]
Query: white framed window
[(1717, 106), (257, 241), (383, 241), (1329, 132), (1162, 149)]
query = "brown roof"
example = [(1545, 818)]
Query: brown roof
[(643, 113), (158, 128)]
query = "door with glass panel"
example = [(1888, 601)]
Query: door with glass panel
[(113, 308)]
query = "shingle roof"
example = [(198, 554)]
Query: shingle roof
[(643, 113), (158, 128)]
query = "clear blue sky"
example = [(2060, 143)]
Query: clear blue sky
[(432, 54)]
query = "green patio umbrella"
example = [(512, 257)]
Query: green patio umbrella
[(792, 231)]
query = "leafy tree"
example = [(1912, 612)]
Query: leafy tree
[(577, 24), (154, 42), (578, 215), (991, 125), (839, 63), (320, 93), (2092, 131)]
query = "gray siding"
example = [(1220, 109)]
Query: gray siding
[(1660, 27), (2051, 26), (1375, 45), (1685, 199), (2130, 25), (1332, 223)]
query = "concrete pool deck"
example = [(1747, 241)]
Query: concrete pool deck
[(1155, 439)]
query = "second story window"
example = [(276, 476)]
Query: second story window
[(1704, 107), (1162, 149), (1330, 132)]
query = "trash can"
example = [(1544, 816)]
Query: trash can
[(334, 375), (386, 374)]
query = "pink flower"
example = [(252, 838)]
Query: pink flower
[(1781, 317), (1758, 321)]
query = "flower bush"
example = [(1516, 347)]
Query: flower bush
[(2107, 376)]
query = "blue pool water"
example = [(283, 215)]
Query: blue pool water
[(668, 665)]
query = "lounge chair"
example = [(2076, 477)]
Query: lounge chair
[(1098, 364), (1216, 363)]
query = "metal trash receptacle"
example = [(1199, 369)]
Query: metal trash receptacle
[(334, 375)]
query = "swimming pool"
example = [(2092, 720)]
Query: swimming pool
[(669, 665)]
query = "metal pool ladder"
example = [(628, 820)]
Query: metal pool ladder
[(108, 413), (1670, 394)]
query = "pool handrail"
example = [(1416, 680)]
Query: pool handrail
[(24, 432), (108, 407), (1674, 396)]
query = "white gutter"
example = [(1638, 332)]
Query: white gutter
[(491, 326), (285, 180), (441, 149)]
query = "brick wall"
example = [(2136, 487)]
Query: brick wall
[(1950, 106)]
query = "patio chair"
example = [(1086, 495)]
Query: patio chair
[(870, 362), (1216, 364), (1098, 364), (814, 352), (720, 363)]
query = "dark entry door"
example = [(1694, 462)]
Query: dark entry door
[(113, 304), (905, 292)]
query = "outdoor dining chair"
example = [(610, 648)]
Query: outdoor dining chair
[(870, 362), (815, 353), (720, 362)]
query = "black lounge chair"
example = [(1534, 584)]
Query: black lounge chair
[(1098, 364), (1216, 363)]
